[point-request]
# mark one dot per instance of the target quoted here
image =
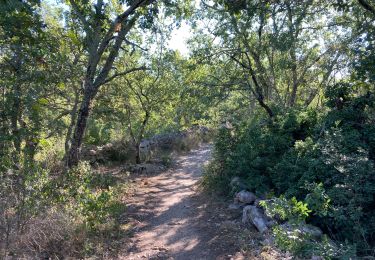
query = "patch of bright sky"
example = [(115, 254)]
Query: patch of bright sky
[(179, 37)]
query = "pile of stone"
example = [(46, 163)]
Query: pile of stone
[(174, 141), (121, 151), (253, 213)]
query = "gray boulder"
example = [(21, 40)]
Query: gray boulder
[(256, 217), (302, 229), (246, 197), (236, 206)]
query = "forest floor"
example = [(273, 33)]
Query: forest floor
[(172, 218)]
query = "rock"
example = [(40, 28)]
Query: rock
[(257, 202), (268, 241), (255, 216), (313, 231), (236, 206), (92, 152), (303, 230), (246, 197), (271, 223), (237, 184)]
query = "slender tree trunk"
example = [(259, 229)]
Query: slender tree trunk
[(140, 136), (14, 123), (4, 126), (73, 118), (293, 57), (293, 94), (29, 152), (16, 105), (138, 153), (98, 44), (81, 123), (265, 106)]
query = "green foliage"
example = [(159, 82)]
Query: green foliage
[(318, 200), (315, 151), (297, 237), (95, 204), (302, 245), (34, 202), (286, 209), (166, 159), (214, 180), (97, 133), (217, 174), (325, 160), (255, 149)]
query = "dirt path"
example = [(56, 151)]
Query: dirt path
[(174, 220)]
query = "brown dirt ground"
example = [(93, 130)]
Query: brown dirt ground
[(172, 218)]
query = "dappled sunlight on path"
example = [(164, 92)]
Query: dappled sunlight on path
[(173, 222)]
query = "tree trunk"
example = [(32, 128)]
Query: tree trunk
[(73, 117), (138, 153), (265, 106), (293, 57), (293, 94), (14, 123), (83, 114), (98, 44), (140, 136)]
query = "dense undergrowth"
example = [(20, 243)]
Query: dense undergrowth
[(46, 215), (323, 158), (51, 213)]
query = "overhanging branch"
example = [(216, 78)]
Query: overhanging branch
[(367, 6), (119, 74)]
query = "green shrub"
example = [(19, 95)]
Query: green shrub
[(166, 160), (286, 209), (293, 236), (253, 150), (95, 205), (217, 173), (97, 133), (214, 180), (35, 205), (121, 151), (325, 159)]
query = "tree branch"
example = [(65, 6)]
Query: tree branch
[(119, 20), (367, 6), (123, 73), (113, 53), (81, 17)]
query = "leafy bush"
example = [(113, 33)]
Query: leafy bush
[(25, 198), (95, 205), (253, 150), (217, 173), (121, 151), (44, 216), (297, 237), (97, 133), (284, 209), (325, 159), (167, 160)]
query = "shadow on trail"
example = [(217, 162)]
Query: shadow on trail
[(176, 220)]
